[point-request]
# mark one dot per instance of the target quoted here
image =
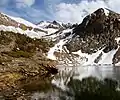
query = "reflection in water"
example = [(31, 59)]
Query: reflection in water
[(117, 73), (70, 83), (80, 72)]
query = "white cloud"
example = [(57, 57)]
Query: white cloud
[(75, 13), (24, 3), (114, 5)]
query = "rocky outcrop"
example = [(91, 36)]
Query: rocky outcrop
[(96, 31)]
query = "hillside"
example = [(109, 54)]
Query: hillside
[(23, 58)]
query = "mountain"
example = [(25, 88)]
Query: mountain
[(91, 42), (54, 25), (94, 41), (19, 25), (48, 24)]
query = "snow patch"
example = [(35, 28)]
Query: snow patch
[(117, 39), (106, 12), (43, 24), (107, 58), (50, 30), (57, 47), (29, 33), (89, 59), (67, 31), (117, 64), (22, 21)]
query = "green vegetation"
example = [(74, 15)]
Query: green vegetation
[(23, 27), (18, 54), (4, 38), (25, 44), (31, 45)]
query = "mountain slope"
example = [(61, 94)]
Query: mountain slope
[(19, 25), (94, 41), (22, 55)]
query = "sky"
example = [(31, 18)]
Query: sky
[(67, 11)]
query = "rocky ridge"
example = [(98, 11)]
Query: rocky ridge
[(98, 35)]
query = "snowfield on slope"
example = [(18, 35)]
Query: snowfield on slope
[(106, 58), (27, 23), (84, 58), (29, 33), (22, 21), (59, 45)]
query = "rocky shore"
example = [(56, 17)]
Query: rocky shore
[(23, 62)]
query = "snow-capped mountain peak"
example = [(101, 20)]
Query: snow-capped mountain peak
[(19, 25), (94, 41), (48, 24)]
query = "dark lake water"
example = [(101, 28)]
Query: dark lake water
[(71, 83)]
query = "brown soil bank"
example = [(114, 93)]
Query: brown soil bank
[(22, 62)]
